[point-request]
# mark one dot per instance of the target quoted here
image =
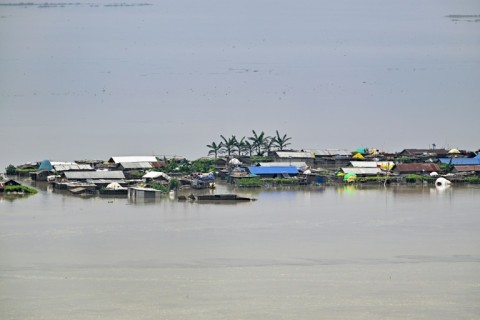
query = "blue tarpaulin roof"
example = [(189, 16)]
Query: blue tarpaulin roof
[(45, 165), (461, 161), (273, 170)]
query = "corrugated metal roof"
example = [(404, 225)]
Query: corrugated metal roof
[(417, 167), (72, 167), (467, 168), (418, 152), (298, 164), (156, 174), (133, 159), (136, 165), (83, 175), (364, 171), (295, 154), (331, 152), (273, 170), (371, 164)]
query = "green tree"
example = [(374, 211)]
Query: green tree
[(11, 170), (281, 141)]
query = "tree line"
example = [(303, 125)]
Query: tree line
[(257, 144)]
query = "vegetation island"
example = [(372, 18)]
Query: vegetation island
[(255, 161)]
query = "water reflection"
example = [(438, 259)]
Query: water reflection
[(13, 197)]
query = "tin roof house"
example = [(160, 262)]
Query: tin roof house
[(92, 175), (117, 160), (294, 156), (423, 153)]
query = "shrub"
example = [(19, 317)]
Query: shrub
[(11, 170), (20, 189), (159, 186), (174, 184)]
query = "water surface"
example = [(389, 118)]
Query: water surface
[(336, 253)]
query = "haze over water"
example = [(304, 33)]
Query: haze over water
[(92, 81), (306, 253)]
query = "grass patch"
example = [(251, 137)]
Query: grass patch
[(414, 178), (472, 180), (248, 182), (280, 181)]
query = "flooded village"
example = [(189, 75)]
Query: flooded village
[(254, 162)]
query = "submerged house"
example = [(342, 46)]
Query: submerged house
[(363, 172), (47, 168), (7, 183), (301, 166), (274, 171), (91, 175), (332, 159)]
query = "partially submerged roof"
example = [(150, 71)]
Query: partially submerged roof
[(133, 159), (84, 175), (273, 170)]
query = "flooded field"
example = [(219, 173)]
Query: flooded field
[(336, 253)]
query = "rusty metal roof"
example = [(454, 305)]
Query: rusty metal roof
[(417, 167)]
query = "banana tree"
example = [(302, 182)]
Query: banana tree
[(281, 141)]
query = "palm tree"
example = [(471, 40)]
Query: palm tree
[(214, 148), (258, 141), (228, 144), (281, 142)]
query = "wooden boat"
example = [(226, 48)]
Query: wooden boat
[(215, 197)]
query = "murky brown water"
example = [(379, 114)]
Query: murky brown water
[(333, 253)]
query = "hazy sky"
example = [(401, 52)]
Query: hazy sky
[(84, 81)]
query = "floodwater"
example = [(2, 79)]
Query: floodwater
[(310, 253)]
